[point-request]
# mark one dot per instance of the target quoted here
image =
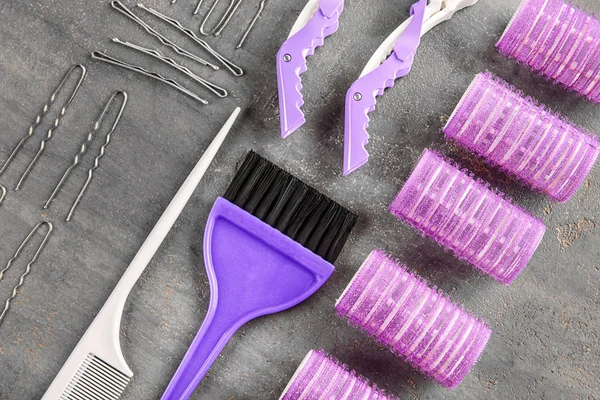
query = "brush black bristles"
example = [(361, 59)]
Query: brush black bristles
[(291, 206)]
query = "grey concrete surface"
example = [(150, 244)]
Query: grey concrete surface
[(546, 328)]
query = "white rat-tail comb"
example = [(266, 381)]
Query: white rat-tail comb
[(96, 369)]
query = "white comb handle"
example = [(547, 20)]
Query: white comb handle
[(102, 338)]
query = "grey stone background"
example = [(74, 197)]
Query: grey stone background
[(546, 326)]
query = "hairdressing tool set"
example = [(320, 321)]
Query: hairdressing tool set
[(96, 369), (271, 240), (559, 41), (32, 261), (270, 243), (320, 376)]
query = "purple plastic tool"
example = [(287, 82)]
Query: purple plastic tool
[(557, 40), (269, 244), (392, 60), (465, 216), (320, 376), (319, 19), (513, 132), (418, 323), (361, 98)]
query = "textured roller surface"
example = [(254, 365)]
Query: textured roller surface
[(465, 216), (558, 40), (518, 135), (417, 322), (320, 376)]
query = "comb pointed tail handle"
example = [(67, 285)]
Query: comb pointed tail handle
[(291, 63), (253, 270), (361, 99)]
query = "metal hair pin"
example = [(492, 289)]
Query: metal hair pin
[(97, 55), (51, 131), (96, 165), (234, 69), (28, 267), (90, 138), (261, 7), (219, 91), (117, 5), (46, 108), (209, 14), (227, 17), (2, 194), (197, 9)]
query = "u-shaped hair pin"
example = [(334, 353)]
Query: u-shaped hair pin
[(89, 139), (28, 267)]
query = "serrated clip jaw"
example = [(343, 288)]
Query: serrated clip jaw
[(318, 20)]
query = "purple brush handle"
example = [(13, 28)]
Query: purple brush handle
[(253, 270), (360, 101), (291, 62), (361, 98)]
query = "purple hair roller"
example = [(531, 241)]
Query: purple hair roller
[(465, 216), (418, 323), (319, 19), (513, 132), (392, 60), (320, 376), (559, 41)]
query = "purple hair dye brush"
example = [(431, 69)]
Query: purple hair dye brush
[(391, 61), (270, 243), (513, 132), (465, 216), (418, 323), (320, 376), (319, 19), (557, 40)]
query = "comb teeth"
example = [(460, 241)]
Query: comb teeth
[(417, 322), (559, 41), (463, 215), (320, 376), (516, 134), (290, 206), (96, 380)]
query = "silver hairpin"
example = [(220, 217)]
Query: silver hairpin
[(97, 55), (117, 5), (89, 139), (54, 127), (234, 69), (261, 7), (28, 267), (46, 108), (219, 91)]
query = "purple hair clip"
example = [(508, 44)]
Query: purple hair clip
[(559, 41), (392, 60), (319, 19), (499, 124), (418, 323), (320, 376), (465, 216)]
